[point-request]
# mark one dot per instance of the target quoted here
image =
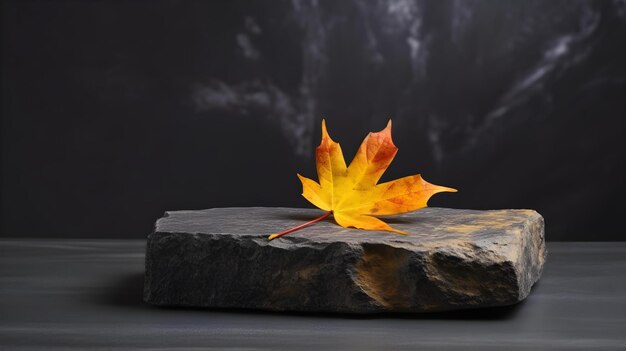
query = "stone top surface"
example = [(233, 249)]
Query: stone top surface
[(426, 227)]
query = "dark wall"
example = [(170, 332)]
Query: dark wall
[(115, 111)]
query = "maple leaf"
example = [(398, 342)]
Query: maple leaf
[(351, 193)]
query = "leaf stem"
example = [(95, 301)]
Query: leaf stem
[(278, 235)]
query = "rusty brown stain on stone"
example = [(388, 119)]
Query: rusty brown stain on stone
[(291, 284), (379, 274), (308, 272), (494, 220)]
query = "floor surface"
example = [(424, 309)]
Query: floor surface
[(79, 294)]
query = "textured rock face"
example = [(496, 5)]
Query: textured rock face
[(452, 259)]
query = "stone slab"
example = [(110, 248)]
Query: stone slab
[(452, 259)]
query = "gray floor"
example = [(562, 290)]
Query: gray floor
[(74, 294)]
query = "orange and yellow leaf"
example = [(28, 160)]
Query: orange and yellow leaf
[(352, 193)]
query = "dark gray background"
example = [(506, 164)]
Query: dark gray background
[(114, 111)]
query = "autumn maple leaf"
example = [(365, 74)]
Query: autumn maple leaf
[(351, 193)]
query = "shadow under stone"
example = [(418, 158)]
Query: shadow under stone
[(491, 313), (126, 291)]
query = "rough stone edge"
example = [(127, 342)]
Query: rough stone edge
[(532, 255)]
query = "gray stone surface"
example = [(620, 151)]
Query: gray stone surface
[(452, 259)]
